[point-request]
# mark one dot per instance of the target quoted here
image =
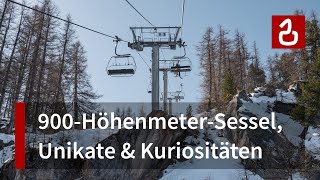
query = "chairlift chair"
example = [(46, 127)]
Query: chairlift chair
[(178, 95), (121, 65), (181, 63)]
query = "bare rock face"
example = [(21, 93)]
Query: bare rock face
[(270, 90), (117, 168), (3, 144), (243, 95)]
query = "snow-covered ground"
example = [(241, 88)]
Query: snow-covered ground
[(291, 129), (209, 174), (7, 152), (312, 142), (297, 176), (194, 169), (283, 96), (259, 106), (6, 138)]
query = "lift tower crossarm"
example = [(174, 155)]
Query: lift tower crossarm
[(147, 37), (156, 38)]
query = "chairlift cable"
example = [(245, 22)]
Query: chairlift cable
[(75, 24), (140, 13), (144, 60), (182, 15)]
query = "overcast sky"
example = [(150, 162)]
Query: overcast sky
[(114, 17)]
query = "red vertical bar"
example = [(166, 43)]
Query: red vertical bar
[(20, 121)]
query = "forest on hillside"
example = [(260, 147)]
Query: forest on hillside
[(230, 64), (41, 62)]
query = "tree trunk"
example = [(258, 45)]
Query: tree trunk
[(5, 39), (75, 97), (33, 66), (3, 13), (43, 62), (210, 75), (59, 86), (8, 68)]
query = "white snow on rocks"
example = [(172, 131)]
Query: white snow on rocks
[(312, 142)]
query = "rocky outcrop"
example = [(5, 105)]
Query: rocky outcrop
[(270, 90), (5, 144), (243, 95), (283, 108), (280, 155)]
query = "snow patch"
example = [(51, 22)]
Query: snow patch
[(6, 138), (312, 142), (282, 96), (194, 169)]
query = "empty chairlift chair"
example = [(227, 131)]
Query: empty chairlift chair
[(177, 95), (121, 65)]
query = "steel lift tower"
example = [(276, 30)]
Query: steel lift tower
[(155, 38)]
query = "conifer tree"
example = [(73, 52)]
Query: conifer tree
[(41, 61), (207, 56), (189, 111), (310, 99), (229, 88), (129, 112), (256, 75), (308, 107), (142, 112)]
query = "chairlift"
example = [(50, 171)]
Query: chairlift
[(149, 90), (178, 95), (181, 63), (181, 66), (121, 65)]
